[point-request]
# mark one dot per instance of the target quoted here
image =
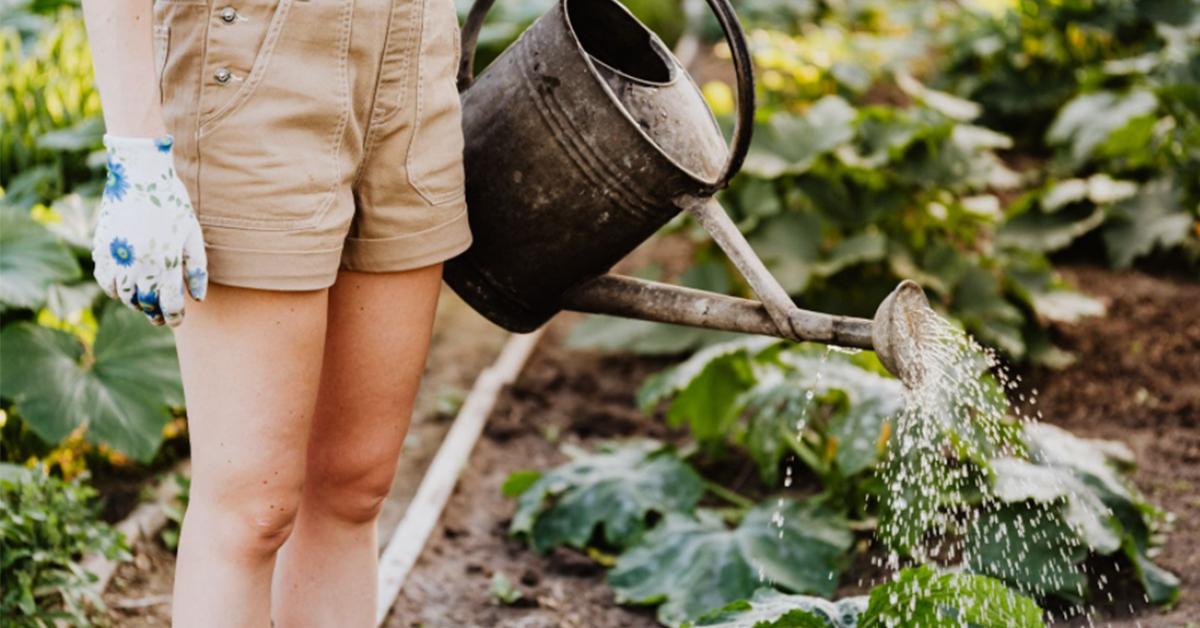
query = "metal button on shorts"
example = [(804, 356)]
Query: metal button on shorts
[(316, 135)]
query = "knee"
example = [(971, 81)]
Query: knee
[(354, 492), (264, 526), (252, 526)]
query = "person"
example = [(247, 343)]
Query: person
[(295, 167)]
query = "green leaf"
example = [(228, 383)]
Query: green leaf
[(694, 565), (1045, 233), (122, 391), (790, 144), (1152, 218), (65, 301), (1031, 548), (789, 245), (771, 609), (857, 401), (503, 591), (860, 248), (1093, 465), (519, 482), (73, 218), (1017, 481), (1162, 586), (705, 388), (31, 260), (921, 598), (617, 488), (1088, 120), (85, 134)]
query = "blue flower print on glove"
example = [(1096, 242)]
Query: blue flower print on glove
[(115, 185), (148, 247)]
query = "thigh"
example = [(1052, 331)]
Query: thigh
[(375, 349), (251, 362)]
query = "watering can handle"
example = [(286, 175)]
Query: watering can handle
[(738, 49)]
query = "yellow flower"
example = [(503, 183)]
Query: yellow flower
[(719, 97)]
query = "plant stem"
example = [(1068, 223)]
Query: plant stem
[(728, 495)]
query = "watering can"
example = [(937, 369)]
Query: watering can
[(585, 137)]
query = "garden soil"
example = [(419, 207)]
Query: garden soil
[(1135, 380)]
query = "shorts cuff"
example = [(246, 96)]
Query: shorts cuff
[(409, 251), (273, 270)]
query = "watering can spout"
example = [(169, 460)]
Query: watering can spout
[(895, 333), (900, 328)]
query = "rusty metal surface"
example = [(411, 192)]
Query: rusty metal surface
[(627, 297), (562, 181)]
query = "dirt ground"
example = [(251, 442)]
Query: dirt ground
[(1135, 380)]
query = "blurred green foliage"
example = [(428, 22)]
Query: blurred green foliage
[(46, 525), (68, 362)]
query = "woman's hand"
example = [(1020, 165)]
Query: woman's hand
[(148, 244)]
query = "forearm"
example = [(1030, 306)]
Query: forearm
[(121, 36)]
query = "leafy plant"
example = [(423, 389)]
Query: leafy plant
[(832, 410), (1077, 477), (615, 489), (46, 525), (50, 111), (923, 597), (32, 260), (694, 564), (917, 598), (769, 608), (1109, 87), (121, 387), (503, 591)]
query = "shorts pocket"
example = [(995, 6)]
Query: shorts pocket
[(434, 163), (270, 157)]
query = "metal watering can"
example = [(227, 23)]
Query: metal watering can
[(583, 139)]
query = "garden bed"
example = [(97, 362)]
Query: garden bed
[(1134, 381)]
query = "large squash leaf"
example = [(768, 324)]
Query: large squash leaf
[(1152, 218), (31, 260), (771, 609), (790, 144), (858, 402), (704, 390), (692, 565), (1031, 549), (1090, 119), (615, 488), (1018, 480), (926, 599), (122, 389), (1093, 463)]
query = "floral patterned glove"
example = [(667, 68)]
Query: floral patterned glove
[(148, 243)]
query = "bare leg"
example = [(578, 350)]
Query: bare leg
[(375, 350), (251, 364)]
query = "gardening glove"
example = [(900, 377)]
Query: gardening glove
[(148, 243)]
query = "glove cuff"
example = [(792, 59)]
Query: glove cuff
[(139, 144)]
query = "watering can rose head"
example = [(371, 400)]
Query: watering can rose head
[(900, 327)]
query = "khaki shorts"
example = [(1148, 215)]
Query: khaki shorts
[(315, 135)]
